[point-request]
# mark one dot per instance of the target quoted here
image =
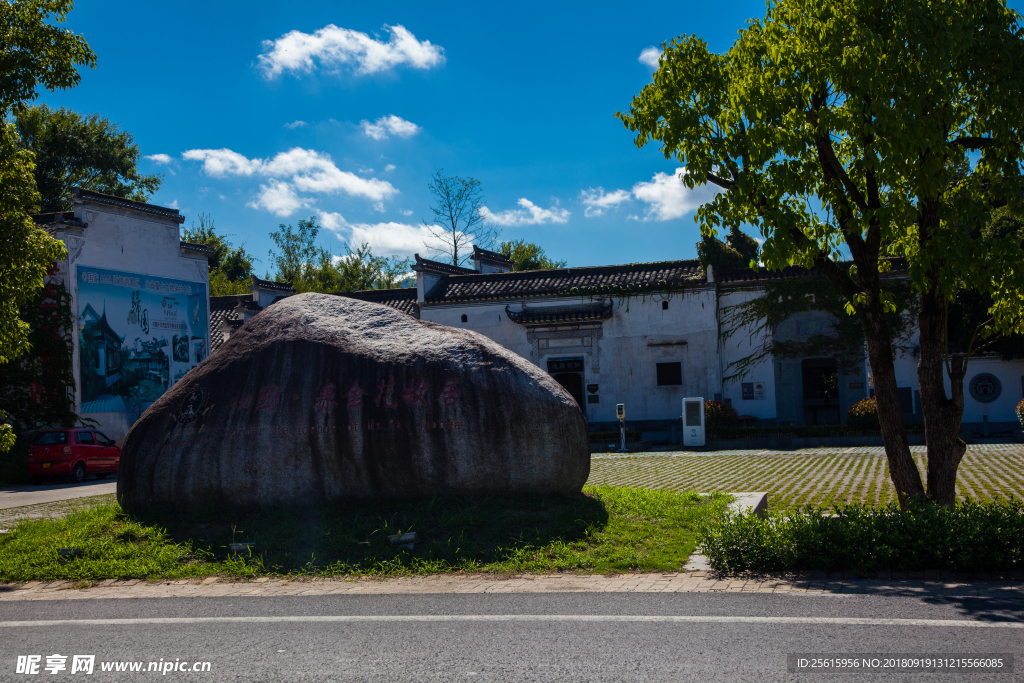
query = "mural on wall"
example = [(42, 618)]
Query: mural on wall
[(138, 334)]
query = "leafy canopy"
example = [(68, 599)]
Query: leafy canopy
[(837, 125), (527, 256), (84, 151), (231, 268), (311, 268), (34, 52)]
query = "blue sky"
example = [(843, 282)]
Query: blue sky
[(264, 113)]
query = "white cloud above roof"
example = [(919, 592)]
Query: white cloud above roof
[(159, 158), (385, 239), (395, 125), (667, 197), (297, 170), (598, 201), (333, 49), (529, 214)]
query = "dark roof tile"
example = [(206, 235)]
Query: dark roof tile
[(402, 299), (630, 277), (123, 203)]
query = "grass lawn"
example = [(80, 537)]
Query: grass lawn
[(606, 529), (820, 476)]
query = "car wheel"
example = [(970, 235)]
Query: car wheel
[(101, 475), (78, 474)]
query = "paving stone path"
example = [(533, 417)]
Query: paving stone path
[(820, 476)]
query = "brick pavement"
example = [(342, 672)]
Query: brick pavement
[(682, 582)]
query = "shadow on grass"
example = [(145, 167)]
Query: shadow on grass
[(350, 537)]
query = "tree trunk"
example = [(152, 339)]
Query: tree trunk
[(902, 468), (942, 415)]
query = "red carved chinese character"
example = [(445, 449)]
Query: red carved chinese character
[(450, 394), (240, 402), (355, 395), (415, 393), (268, 398), (325, 398), (386, 390)]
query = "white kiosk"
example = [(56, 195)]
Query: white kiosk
[(693, 422)]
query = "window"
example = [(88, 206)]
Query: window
[(664, 305), (102, 439), (906, 400), (670, 374), (51, 438), (87, 439), (465, 318)]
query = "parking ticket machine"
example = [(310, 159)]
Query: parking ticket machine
[(693, 421)]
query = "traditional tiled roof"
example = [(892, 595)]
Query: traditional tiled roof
[(491, 256), (199, 248), (222, 313), (121, 202), (270, 284), (402, 299), (560, 314), (58, 217), (438, 267), (631, 277)]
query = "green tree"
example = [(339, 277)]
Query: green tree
[(84, 151), (311, 268), (33, 52), (837, 125), (739, 250), (231, 267), (458, 223), (527, 256)]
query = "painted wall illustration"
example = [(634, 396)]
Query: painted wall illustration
[(138, 335)]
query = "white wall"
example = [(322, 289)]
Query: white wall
[(619, 354), (738, 346)]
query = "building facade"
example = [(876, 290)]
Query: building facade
[(140, 303)]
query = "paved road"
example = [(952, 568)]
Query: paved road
[(16, 496), (517, 637)]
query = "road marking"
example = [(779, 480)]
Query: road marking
[(524, 618)]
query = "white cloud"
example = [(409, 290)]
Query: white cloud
[(668, 198), (399, 239), (598, 201), (650, 56), (389, 168), (306, 170), (332, 221), (406, 212), (278, 198), (173, 205), (335, 48), (222, 162), (379, 207), (396, 125), (530, 214), (295, 124), (159, 158)]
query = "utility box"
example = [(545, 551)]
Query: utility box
[(693, 422)]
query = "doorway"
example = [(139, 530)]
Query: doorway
[(821, 391), (569, 373)]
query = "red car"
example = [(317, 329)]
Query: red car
[(77, 452)]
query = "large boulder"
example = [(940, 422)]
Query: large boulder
[(321, 397)]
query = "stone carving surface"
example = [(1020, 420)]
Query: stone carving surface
[(320, 397)]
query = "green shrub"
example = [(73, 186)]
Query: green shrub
[(718, 416), (1020, 413), (969, 537), (863, 414)]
